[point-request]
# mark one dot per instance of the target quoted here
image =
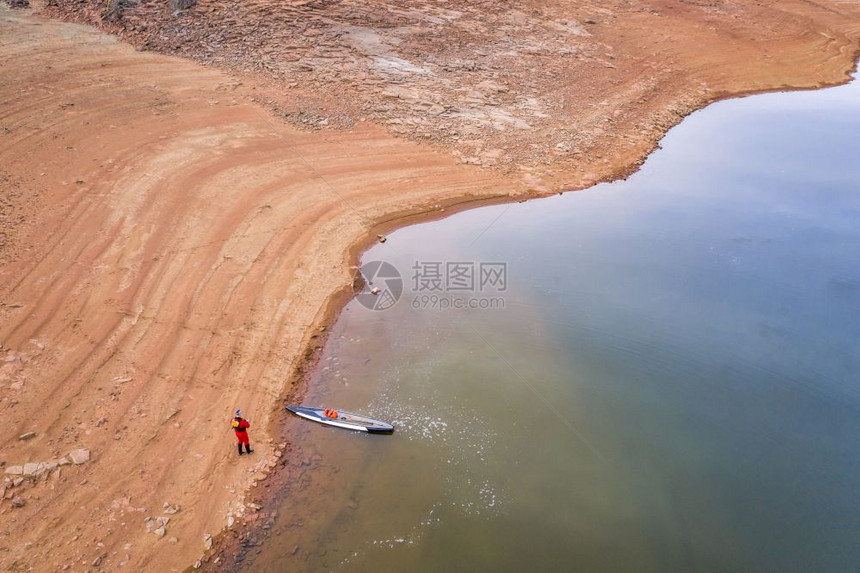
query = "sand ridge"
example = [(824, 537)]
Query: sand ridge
[(170, 247)]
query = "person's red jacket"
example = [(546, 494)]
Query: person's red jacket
[(242, 426)]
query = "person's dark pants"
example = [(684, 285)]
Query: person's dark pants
[(243, 439)]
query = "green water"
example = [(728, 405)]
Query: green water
[(673, 383)]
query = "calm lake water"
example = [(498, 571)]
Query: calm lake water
[(673, 383)]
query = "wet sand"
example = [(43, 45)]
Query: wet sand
[(170, 251)]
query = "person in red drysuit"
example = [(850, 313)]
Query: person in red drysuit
[(240, 426)]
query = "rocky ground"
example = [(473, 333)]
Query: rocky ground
[(565, 91), (171, 234)]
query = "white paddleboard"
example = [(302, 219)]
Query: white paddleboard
[(345, 420)]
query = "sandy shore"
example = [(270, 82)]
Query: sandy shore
[(170, 247)]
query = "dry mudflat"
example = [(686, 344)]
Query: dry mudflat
[(174, 231)]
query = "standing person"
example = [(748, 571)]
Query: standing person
[(240, 426)]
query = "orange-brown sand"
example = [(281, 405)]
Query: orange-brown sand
[(170, 246)]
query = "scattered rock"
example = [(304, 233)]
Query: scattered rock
[(230, 521), (381, 238), (160, 531), (375, 290), (181, 4), (17, 502), (173, 540), (80, 456), (27, 436), (207, 541), (170, 509)]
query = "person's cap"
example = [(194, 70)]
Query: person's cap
[(238, 412)]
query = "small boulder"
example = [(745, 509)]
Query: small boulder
[(31, 470), (207, 541), (17, 502), (15, 470), (177, 5), (80, 456), (160, 531)]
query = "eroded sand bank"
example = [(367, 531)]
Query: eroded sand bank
[(170, 248)]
